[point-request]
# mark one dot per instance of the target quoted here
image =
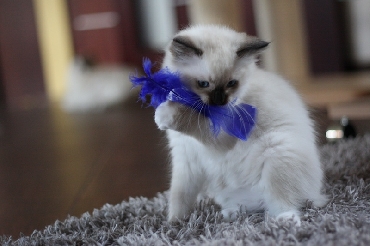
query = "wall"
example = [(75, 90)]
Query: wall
[(20, 62), (55, 44)]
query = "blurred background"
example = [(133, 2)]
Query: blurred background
[(73, 137)]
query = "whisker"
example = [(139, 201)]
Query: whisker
[(243, 114), (196, 107), (234, 109), (250, 117)]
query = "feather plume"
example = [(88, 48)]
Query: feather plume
[(237, 120)]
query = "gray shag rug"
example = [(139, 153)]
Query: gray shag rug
[(141, 221)]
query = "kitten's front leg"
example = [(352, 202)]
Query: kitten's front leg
[(180, 118), (165, 115), (185, 187), (175, 116)]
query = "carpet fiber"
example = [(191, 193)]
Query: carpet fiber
[(141, 221)]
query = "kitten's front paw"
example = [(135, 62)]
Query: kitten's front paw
[(178, 212), (164, 116)]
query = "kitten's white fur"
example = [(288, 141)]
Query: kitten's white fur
[(276, 169)]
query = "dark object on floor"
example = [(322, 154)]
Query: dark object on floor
[(349, 130), (342, 130)]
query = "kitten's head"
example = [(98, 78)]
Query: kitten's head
[(213, 60)]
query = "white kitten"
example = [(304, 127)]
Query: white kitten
[(276, 169)]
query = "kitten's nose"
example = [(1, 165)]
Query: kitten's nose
[(218, 96)]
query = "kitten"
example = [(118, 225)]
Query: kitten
[(276, 169)]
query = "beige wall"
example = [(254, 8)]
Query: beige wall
[(216, 12)]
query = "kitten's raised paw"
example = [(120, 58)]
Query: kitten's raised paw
[(164, 116)]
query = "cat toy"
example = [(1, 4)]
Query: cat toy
[(237, 120)]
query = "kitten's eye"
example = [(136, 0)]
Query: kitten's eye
[(232, 83), (203, 84)]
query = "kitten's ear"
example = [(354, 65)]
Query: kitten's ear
[(251, 47), (183, 46)]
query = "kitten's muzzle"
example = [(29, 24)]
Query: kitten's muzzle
[(218, 97)]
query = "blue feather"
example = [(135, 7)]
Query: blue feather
[(237, 120)]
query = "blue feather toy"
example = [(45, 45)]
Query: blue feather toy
[(237, 120)]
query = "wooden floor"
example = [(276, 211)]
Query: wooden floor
[(54, 164)]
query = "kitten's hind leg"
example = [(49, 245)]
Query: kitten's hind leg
[(283, 211), (294, 215), (284, 191)]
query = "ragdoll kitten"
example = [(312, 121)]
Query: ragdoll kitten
[(276, 169)]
